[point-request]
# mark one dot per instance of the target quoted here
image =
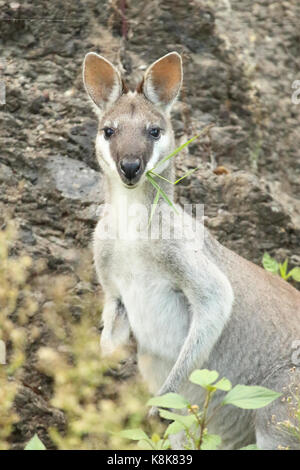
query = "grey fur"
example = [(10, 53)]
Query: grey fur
[(194, 307)]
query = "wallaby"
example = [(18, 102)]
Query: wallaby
[(189, 303)]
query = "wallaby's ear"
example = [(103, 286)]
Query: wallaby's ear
[(102, 80), (162, 80)]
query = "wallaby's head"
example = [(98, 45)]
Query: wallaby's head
[(135, 131)]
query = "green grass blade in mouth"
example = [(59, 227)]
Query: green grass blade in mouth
[(177, 150), (156, 199), (173, 182), (159, 176), (151, 173), (181, 147), (162, 193), (187, 174)]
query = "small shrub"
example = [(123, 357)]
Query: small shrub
[(16, 305), (194, 422)]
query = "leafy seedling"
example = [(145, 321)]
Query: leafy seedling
[(194, 421), (281, 269)]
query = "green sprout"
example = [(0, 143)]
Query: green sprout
[(281, 269)]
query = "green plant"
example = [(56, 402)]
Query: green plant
[(93, 401), (16, 306), (271, 265), (195, 421), (151, 174), (35, 444)]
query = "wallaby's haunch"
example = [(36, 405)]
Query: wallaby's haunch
[(189, 303)]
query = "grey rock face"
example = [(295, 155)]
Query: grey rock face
[(75, 180), (240, 58)]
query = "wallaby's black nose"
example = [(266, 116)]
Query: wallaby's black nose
[(130, 168)]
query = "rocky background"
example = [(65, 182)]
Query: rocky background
[(240, 60)]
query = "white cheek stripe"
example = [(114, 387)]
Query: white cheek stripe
[(103, 152), (160, 150)]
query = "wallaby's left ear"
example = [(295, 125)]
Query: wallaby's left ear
[(162, 80)]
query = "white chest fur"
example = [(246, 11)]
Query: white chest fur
[(157, 312)]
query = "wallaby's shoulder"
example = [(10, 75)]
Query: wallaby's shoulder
[(271, 296)]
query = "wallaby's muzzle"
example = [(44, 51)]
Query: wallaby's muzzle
[(130, 170)]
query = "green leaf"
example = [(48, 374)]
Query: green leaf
[(295, 274), (133, 434), (166, 445), (186, 419), (223, 384), (174, 428), (210, 442), (146, 445), (169, 400), (250, 397), (203, 377), (250, 447), (182, 421), (159, 444), (35, 444), (270, 264), (283, 269)]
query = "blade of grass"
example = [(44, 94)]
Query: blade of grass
[(156, 199), (177, 181), (151, 173), (159, 176), (188, 173), (178, 149), (162, 193)]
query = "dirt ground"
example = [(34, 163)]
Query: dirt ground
[(240, 60)]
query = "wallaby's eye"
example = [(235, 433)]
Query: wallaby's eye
[(108, 132), (155, 132)]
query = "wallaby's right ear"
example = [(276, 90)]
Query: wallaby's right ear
[(102, 80)]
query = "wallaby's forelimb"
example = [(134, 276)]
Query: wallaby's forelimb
[(210, 298), (116, 326)]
